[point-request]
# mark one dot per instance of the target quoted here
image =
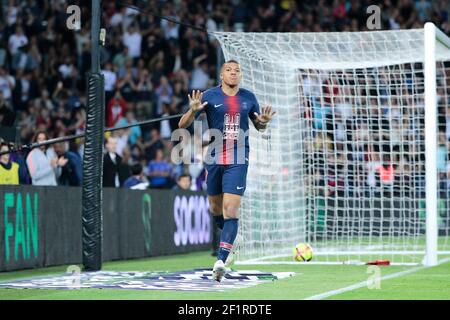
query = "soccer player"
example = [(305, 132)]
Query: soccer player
[(227, 109)]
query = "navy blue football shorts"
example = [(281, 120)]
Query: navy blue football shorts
[(231, 178)]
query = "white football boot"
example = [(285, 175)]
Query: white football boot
[(218, 270)]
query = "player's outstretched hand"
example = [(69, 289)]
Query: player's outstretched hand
[(195, 101), (266, 114)]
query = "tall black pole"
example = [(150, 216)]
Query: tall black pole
[(93, 154)]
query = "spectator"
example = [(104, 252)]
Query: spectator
[(82, 38), (135, 132), (133, 40), (122, 141), (165, 125), (9, 170), (137, 180), (3, 54), (110, 81), (19, 158), (21, 60), (164, 94), (136, 154), (7, 116), (17, 40), (197, 172), (155, 143), (171, 29), (76, 123), (71, 172), (12, 12), (128, 86), (43, 163), (179, 94), (120, 59), (159, 172), (442, 153), (144, 95), (129, 17), (183, 182), (114, 173), (154, 63), (7, 84), (24, 90), (200, 75), (66, 69), (115, 110)]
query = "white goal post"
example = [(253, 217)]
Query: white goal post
[(355, 160)]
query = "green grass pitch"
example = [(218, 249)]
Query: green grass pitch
[(311, 280)]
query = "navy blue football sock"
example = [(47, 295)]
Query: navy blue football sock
[(229, 233), (219, 221)]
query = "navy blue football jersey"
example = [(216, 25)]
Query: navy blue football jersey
[(230, 115)]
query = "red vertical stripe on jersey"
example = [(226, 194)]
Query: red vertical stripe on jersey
[(232, 103)]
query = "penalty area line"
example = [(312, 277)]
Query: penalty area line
[(363, 284)]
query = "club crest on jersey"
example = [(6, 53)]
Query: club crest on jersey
[(244, 106), (231, 125)]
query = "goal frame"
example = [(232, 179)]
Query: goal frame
[(431, 37)]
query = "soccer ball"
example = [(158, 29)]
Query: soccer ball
[(303, 252)]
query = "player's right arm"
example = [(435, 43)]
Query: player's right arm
[(195, 105)]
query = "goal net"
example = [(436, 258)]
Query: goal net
[(349, 163)]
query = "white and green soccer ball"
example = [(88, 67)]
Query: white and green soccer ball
[(303, 252)]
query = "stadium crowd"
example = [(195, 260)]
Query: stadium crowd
[(368, 130), (150, 65)]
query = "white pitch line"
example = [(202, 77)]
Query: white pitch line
[(364, 283)]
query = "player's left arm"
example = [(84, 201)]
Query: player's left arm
[(260, 120)]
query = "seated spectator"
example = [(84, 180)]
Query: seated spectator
[(9, 170), (137, 180), (43, 163), (159, 172)]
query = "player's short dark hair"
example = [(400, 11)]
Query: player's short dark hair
[(136, 169), (228, 61)]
